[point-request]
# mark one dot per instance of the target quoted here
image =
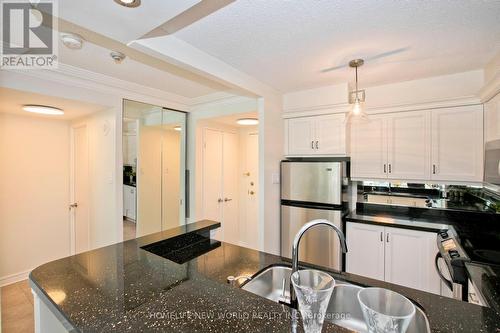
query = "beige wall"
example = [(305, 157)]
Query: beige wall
[(34, 193)]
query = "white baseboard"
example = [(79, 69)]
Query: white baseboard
[(9, 279)]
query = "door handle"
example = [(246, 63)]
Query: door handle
[(219, 200), (73, 205), (317, 144), (227, 199)]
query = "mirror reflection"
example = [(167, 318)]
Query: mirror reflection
[(153, 168)]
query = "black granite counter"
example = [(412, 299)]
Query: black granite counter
[(125, 288)]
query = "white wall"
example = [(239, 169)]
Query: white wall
[(101, 132), (34, 193)]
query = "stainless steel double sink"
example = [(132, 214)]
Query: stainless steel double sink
[(343, 310)]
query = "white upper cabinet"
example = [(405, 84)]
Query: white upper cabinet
[(457, 144), (316, 135), (369, 148), (300, 136), (408, 145), (441, 144)]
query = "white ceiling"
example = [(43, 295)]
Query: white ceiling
[(118, 22), (286, 44), (11, 101), (231, 119), (97, 59)]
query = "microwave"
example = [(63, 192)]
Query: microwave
[(492, 162)]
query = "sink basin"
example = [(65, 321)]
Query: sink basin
[(343, 310)]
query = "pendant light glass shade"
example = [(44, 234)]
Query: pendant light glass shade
[(357, 112)]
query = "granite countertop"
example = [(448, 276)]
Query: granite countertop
[(398, 221), (124, 288)]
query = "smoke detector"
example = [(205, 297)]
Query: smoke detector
[(117, 56), (72, 41)]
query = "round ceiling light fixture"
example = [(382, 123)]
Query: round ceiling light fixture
[(43, 109), (129, 3), (72, 41), (247, 121)]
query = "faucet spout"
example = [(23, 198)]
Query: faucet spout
[(296, 244)]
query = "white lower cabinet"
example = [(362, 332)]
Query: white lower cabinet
[(129, 202), (396, 255)]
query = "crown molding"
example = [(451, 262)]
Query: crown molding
[(490, 89), (82, 78), (345, 107), (216, 99)]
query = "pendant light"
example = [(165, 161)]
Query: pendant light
[(357, 110)]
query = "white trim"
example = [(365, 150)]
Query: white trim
[(490, 89), (219, 101), (342, 108), (13, 278), (83, 78), (210, 98)]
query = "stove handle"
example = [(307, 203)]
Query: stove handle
[(447, 282)]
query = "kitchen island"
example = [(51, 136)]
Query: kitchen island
[(127, 288)]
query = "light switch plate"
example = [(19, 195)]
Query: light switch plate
[(275, 178)]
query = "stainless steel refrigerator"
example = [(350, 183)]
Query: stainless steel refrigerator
[(313, 190)]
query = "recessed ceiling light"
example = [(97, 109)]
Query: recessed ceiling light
[(129, 3), (43, 109), (178, 128), (71, 40), (247, 121)]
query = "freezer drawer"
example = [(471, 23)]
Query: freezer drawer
[(320, 245), (318, 182)]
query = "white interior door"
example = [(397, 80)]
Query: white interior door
[(251, 194), (80, 190), (230, 169), (212, 178)]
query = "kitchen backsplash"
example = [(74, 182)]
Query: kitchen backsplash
[(440, 196)]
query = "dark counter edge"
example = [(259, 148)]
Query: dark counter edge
[(195, 227), (397, 222)]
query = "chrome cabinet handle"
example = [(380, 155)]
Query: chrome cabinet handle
[(317, 145), (227, 199), (385, 168), (387, 238), (381, 236), (434, 169), (312, 144), (390, 168)]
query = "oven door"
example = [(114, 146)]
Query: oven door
[(448, 287)]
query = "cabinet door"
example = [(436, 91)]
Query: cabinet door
[(132, 203), (409, 145), (457, 143), (365, 250), (300, 136), (409, 259), (369, 148), (330, 135), (125, 200)]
